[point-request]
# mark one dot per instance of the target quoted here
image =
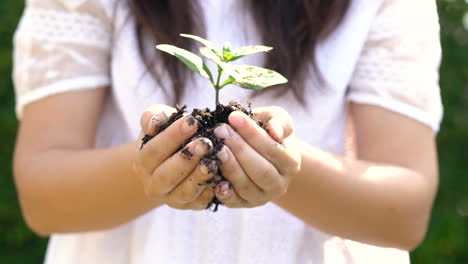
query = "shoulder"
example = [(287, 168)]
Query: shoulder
[(399, 63), (97, 8), (409, 11), (61, 46)]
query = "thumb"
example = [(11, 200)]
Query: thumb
[(278, 128), (277, 122), (154, 117)]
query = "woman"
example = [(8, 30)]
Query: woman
[(85, 71)]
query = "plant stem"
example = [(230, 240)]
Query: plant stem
[(217, 88)]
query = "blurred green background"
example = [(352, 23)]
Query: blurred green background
[(447, 239)]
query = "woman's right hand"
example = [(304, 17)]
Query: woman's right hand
[(176, 179)]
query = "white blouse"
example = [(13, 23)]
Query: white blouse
[(385, 53)]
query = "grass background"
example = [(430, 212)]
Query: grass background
[(447, 239)]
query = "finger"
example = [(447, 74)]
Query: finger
[(180, 165), (200, 203), (166, 143), (141, 172), (152, 125), (284, 156), (191, 187), (275, 127), (229, 197), (276, 120), (233, 172), (258, 169), (153, 117)]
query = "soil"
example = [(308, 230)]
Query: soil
[(207, 122)]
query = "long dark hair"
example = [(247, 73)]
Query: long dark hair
[(298, 25)]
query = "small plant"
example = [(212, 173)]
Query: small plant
[(245, 76)]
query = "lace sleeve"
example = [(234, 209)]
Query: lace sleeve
[(398, 67), (59, 46)]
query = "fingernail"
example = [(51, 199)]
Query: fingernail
[(202, 147), (222, 155), (222, 132), (152, 126), (209, 165), (237, 119), (276, 129), (213, 167), (188, 125), (155, 123), (186, 153), (223, 190)]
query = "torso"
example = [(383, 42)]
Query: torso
[(265, 234)]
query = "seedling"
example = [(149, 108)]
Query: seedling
[(245, 76)]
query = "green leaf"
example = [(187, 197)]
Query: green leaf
[(227, 47), (227, 81), (209, 54), (194, 62), (227, 52), (245, 76), (210, 76), (205, 42), (249, 50), (256, 78)]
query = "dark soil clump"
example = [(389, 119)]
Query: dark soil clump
[(207, 122)]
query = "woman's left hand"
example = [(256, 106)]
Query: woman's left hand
[(259, 164)]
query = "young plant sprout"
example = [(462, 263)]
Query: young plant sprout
[(245, 76)]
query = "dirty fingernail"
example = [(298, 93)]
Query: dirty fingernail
[(222, 155), (155, 123), (188, 125), (202, 147), (209, 166), (223, 190), (152, 126)]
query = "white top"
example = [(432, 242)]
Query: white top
[(385, 53)]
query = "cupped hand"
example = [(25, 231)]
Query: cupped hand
[(259, 163), (176, 178)]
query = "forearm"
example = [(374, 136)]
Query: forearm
[(372, 203), (80, 190)]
